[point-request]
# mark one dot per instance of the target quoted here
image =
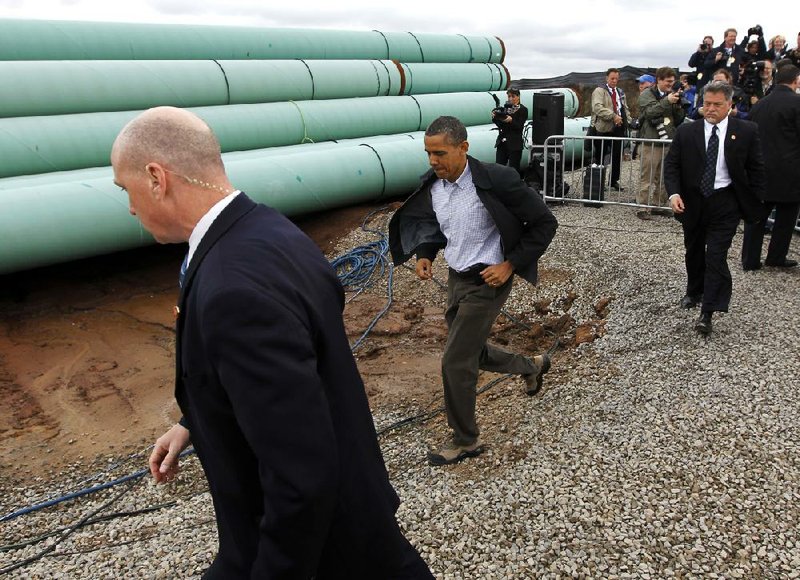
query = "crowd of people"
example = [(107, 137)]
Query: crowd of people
[(706, 164), (271, 396)]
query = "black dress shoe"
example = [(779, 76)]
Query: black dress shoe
[(690, 301), (751, 267), (784, 264), (703, 324)]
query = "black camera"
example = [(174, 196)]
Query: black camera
[(502, 112), (751, 77), (703, 47), (757, 30)]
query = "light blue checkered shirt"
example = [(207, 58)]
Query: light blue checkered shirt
[(472, 236)]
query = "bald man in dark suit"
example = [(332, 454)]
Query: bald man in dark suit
[(271, 396), (714, 175)]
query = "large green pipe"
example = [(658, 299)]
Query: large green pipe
[(85, 214), (30, 145), (72, 40), (70, 220), (34, 88)]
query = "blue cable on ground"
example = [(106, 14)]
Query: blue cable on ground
[(355, 271), (81, 492)]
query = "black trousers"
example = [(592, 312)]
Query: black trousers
[(782, 230), (603, 148), (504, 156), (707, 240)]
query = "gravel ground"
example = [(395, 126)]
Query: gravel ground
[(651, 452)]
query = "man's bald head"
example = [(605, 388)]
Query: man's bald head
[(168, 161), (175, 138)]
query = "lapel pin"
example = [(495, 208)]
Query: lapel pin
[(733, 137), (176, 312)]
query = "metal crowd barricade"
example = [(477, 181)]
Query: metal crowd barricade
[(578, 168), (563, 165)]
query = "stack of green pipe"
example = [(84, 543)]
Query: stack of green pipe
[(54, 218), (63, 142), (72, 40), (63, 87)]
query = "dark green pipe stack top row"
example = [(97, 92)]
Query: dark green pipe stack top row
[(308, 120)]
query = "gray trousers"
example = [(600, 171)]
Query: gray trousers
[(471, 310)]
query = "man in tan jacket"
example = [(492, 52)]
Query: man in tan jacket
[(610, 118)]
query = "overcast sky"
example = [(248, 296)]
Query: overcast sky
[(588, 36)]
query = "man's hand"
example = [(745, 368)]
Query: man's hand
[(164, 458), (673, 98), (676, 203), (498, 274), (424, 268), (718, 57), (617, 120)]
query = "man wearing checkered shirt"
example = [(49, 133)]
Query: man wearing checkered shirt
[(490, 226)]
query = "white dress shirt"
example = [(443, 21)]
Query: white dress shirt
[(205, 222), (722, 178), (472, 236)]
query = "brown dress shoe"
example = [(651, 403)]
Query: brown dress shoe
[(452, 453)]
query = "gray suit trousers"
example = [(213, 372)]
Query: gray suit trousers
[(472, 308)]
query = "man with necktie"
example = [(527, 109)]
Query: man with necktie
[(660, 112), (270, 393), (610, 118), (714, 174)]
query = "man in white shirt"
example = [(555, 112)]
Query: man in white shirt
[(490, 226)]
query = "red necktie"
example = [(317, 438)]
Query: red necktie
[(614, 99)]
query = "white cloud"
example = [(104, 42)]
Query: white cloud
[(579, 36)]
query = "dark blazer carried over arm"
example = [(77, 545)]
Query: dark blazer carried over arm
[(524, 221)]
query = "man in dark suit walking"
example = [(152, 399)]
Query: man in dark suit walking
[(714, 176), (778, 118), (270, 393)]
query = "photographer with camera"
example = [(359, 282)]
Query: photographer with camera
[(778, 118), (754, 49), (698, 61), (510, 119), (610, 118), (661, 112), (727, 55)]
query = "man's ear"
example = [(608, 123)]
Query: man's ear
[(464, 146), (157, 176)]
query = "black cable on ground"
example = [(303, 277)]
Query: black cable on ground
[(68, 532)]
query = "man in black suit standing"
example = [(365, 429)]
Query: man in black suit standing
[(778, 118), (714, 175), (269, 390)]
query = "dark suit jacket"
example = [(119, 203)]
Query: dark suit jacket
[(778, 118), (683, 168), (711, 64), (525, 223), (276, 407)]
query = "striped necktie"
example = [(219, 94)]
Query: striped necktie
[(710, 169), (184, 265)]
